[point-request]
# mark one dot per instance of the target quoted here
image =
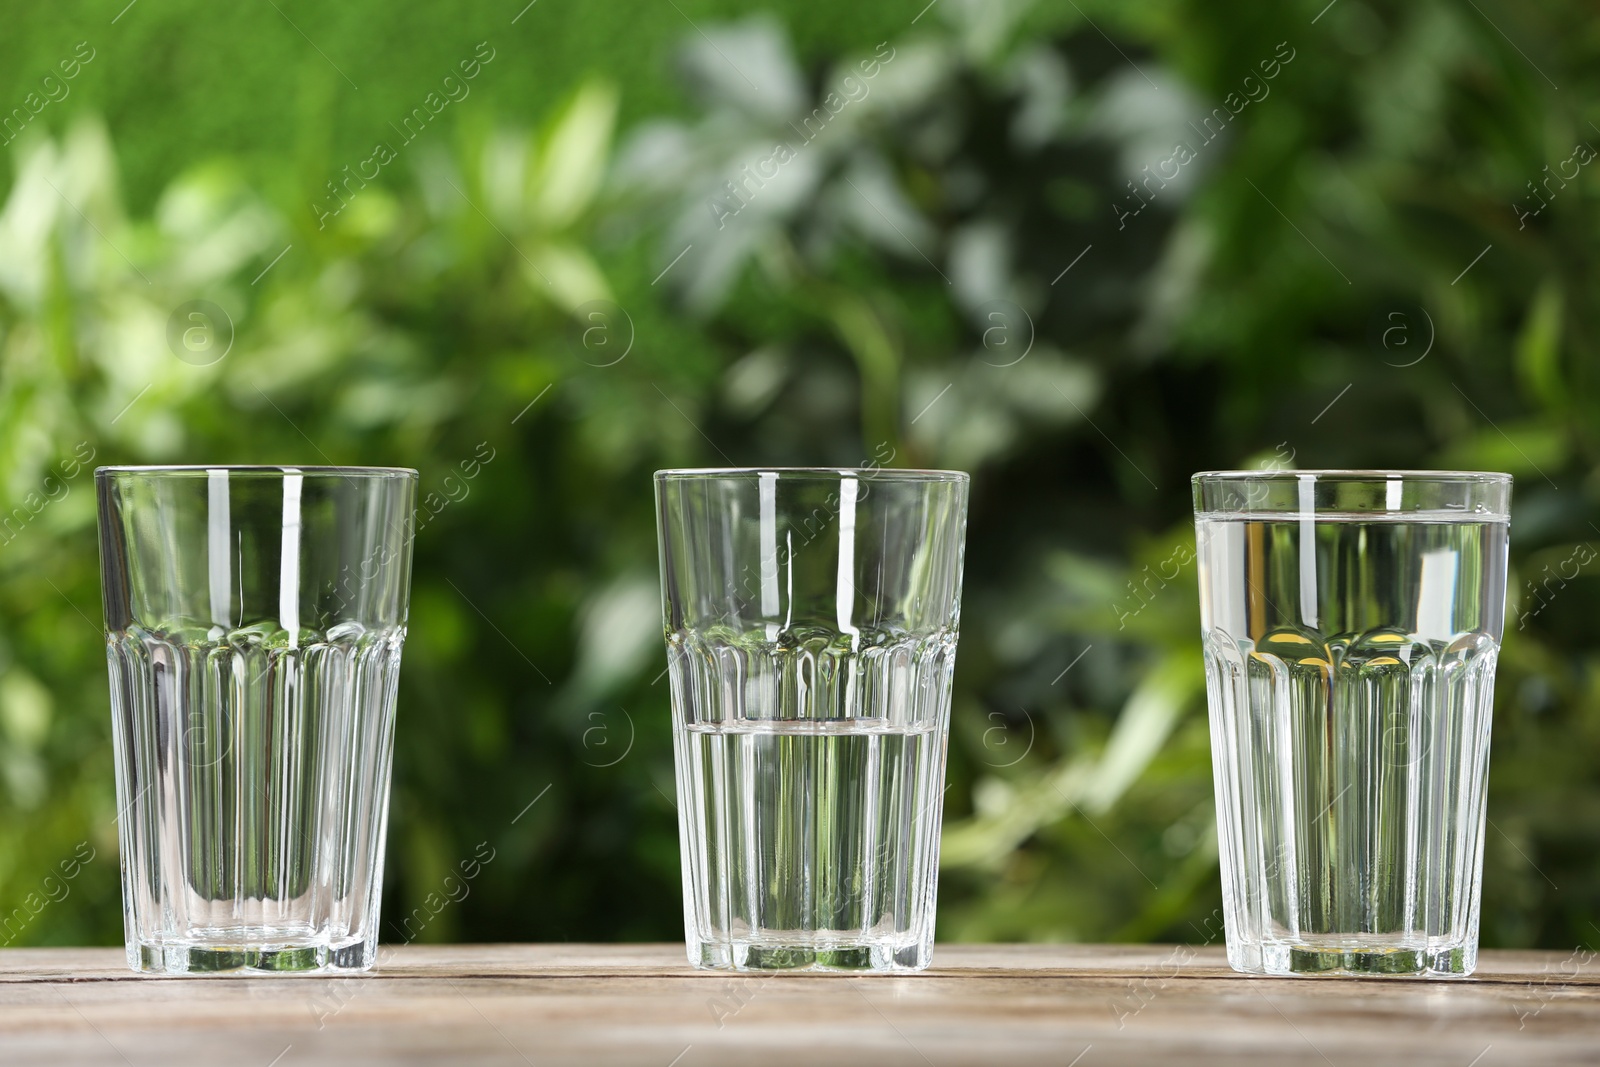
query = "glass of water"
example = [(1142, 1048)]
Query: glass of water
[(254, 618), (1351, 623), (811, 619)]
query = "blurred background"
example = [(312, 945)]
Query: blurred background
[(540, 251)]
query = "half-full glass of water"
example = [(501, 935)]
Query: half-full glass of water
[(1351, 623), (811, 620), (254, 618)]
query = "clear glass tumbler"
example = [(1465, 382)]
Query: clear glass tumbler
[(811, 620), (1351, 622), (254, 618)]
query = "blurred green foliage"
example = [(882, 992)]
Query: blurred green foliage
[(982, 248)]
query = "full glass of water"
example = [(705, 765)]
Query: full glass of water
[(254, 618), (811, 620), (1351, 623)]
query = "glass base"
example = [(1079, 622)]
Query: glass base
[(852, 956), (1354, 957), (194, 958)]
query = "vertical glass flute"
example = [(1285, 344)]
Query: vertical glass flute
[(1351, 622), (254, 620), (811, 620)]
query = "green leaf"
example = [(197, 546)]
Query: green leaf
[(1538, 348), (566, 274), (572, 159), (1516, 449)]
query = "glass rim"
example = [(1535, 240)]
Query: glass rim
[(256, 470), (1355, 474), (901, 473)]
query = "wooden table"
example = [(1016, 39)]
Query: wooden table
[(1062, 1005)]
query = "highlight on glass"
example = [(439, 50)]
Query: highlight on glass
[(1351, 623), (811, 620), (254, 622)]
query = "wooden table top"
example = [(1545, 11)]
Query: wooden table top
[(1063, 1005)]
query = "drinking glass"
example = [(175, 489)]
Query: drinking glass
[(254, 618), (1351, 623), (811, 619)]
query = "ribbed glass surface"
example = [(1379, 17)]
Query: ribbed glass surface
[(815, 779), (811, 620), (254, 622), (253, 780), (1350, 667)]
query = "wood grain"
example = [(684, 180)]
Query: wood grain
[(641, 1004)]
